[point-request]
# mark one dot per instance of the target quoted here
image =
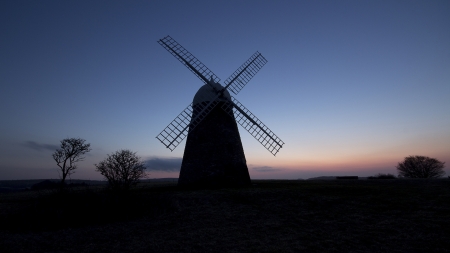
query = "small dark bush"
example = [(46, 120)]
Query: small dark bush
[(382, 176), (123, 170), (421, 167)]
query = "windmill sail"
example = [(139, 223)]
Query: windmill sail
[(254, 126), (179, 128), (194, 113), (190, 61), (245, 73)]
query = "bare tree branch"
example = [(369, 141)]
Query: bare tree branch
[(421, 167), (122, 169), (71, 151)]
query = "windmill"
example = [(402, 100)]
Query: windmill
[(214, 154)]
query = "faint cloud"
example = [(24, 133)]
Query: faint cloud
[(164, 164), (40, 146), (265, 169)]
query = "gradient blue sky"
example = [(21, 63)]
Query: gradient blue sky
[(351, 87)]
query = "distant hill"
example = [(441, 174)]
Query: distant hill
[(168, 179), (322, 178), (331, 178)]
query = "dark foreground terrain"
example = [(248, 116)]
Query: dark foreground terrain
[(270, 216)]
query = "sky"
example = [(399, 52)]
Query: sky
[(351, 87)]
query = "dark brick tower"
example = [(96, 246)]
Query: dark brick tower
[(213, 155)]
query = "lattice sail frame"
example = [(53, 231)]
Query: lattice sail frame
[(180, 127), (187, 59), (245, 73), (254, 126)]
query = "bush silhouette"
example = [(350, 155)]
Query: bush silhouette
[(122, 169), (420, 167)]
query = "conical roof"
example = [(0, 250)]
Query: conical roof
[(206, 92)]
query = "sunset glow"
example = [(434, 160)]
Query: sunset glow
[(351, 87)]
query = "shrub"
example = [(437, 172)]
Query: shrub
[(420, 167), (122, 169)]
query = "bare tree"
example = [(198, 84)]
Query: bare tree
[(71, 152), (122, 169), (421, 167)]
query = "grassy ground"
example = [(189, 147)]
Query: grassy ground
[(270, 216)]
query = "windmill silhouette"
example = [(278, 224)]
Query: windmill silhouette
[(214, 154)]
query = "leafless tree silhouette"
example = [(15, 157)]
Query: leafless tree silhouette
[(420, 167), (122, 169), (71, 152)]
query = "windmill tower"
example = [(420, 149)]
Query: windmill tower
[(214, 154)]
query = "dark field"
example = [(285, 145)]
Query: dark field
[(270, 216)]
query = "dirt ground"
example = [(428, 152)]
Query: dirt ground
[(270, 216)]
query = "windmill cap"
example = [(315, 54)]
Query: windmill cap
[(206, 93)]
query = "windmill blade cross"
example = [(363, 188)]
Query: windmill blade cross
[(245, 73), (190, 61), (205, 101), (179, 128), (254, 126)]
